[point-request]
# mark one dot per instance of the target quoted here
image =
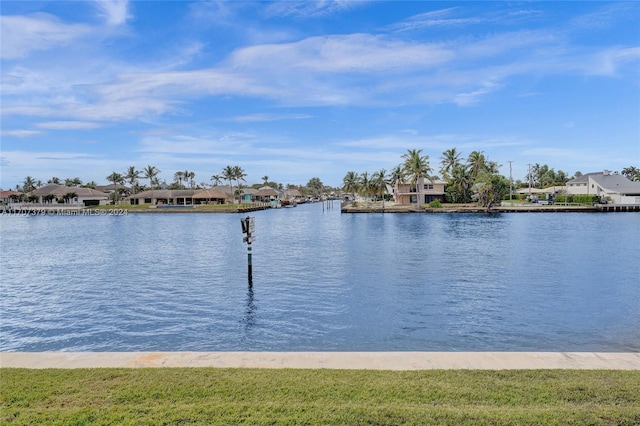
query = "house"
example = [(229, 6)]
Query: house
[(174, 197), (266, 194), (424, 191), (9, 197), (615, 188), (111, 188), (249, 194), (212, 196), (57, 194), (246, 194), (292, 194)]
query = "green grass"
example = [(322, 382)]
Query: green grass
[(180, 396)]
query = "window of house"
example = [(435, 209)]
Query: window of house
[(428, 186)]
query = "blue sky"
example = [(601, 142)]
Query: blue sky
[(296, 90)]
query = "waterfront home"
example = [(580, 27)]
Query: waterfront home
[(424, 191), (9, 197), (245, 195), (616, 189), (174, 197), (57, 194), (212, 196), (266, 194)]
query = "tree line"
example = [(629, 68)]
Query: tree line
[(474, 179), (234, 176)]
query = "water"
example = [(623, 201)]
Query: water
[(323, 281)]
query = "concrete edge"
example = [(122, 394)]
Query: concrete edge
[(328, 360)]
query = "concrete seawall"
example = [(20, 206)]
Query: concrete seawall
[(328, 360)]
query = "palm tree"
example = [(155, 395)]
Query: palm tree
[(132, 177), (227, 174), (177, 176), (365, 185), (351, 183), (379, 180), (416, 167), (151, 173), (448, 161), (55, 180), (116, 178), (191, 177), (265, 178), (476, 163), (239, 175), (396, 176), (76, 181), (68, 196), (28, 185), (216, 179), (632, 173), (461, 182)]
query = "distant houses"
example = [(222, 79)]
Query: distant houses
[(215, 195), (612, 188)]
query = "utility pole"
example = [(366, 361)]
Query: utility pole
[(510, 181)]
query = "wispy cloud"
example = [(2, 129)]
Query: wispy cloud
[(265, 117), (20, 133), (68, 125), (311, 9), (436, 18), (114, 12), (23, 35)]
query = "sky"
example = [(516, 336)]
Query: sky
[(296, 90)]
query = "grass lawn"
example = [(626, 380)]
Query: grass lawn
[(319, 397)]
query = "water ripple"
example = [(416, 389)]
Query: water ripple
[(322, 281)]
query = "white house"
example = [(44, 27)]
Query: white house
[(615, 188)]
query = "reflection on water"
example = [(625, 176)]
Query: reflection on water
[(250, 313), (321, 281)]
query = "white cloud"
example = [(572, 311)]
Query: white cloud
[(45, 164), (20, 133), (349, 69), (311, 9), (68, 125), (340, 54), (265, 117), (436, 18), (22, 35), (472, 98), (114, 12)]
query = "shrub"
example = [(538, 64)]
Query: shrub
[(435, 204), (585, 198)]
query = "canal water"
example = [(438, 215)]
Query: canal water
[(322, 281)]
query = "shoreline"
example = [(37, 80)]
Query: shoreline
[(365, 208), (606, 208), (328, 360)]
